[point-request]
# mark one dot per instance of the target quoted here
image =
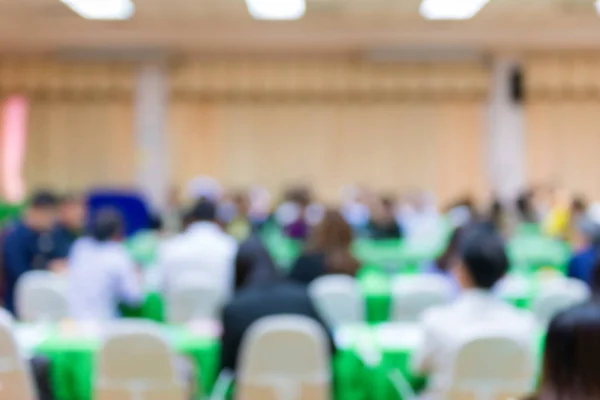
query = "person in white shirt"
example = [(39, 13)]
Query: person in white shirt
[(203, 249), (475, 313), (101, 273)]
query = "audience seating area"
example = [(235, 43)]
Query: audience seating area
[(373, 318)]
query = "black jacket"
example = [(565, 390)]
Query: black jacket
[(258, 301)]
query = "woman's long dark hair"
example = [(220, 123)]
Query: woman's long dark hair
[(572, 355), (333, 237)]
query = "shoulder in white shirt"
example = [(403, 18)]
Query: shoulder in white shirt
[(474, 314), (203, 249)]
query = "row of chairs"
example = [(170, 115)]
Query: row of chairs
[(41, 296), (282, 358)]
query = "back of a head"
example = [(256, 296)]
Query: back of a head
[(107, 225), (572, 355), (43, 199), (484, 256), (333, 236), (204, 211), (253, 263)]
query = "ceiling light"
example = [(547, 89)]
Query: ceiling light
[(102, 9), (598, 6), (276, 9), (451, 9)]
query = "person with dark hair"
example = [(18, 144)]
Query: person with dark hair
[(101, 273), (571, 364), (327, 251), (475, 313), (70, 224), (27, 246), (253, 263), (383, 224), (259, 293), (587, 250), (444, 264), (525, 208), (203, 248)]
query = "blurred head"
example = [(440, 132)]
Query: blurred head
[(250, 260), (525, 207), (333, 236), (107, 225), (41, 211), (578, 206), (383, 209), (483, 260), (204, 211), (156, 223), (572, 355), (333, 232), (71, 212), (451, 255)]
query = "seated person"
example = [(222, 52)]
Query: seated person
[(203, 248), (585, 257), (570, 359), (327, 251), (253, 301), (444, 263), (70, 224), (101, 273), (476, 312), (383, 224), (27, 245)]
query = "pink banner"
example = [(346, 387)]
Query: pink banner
[(14, 136)]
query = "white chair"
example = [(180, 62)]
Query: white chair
[(41, 297), (557, 295), (284, 358), (136, 363), (192, 296), (491, 368), (16, 381), (412, 295), (338, 299)]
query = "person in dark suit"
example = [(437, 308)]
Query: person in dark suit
[(70, 224), (255, 299), (27, 245), (327, 252)]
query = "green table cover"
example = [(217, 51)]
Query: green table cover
[(73, 359)]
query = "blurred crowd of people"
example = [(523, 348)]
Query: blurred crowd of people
[(220, 234)]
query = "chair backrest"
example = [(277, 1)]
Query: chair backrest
[(491, 368), (412, 295), (556, 295), (41, 297), (192, 296), (15, 377), (338, 299), (284, 357), (136, 363)]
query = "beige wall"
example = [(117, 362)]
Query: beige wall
[(392, 127), (562, 121)]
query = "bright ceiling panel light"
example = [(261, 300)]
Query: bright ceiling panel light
[(276, 9), (597, 6), (102, 9), (451, 9)]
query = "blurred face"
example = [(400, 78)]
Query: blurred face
[(72, 214), (41, 219), (461, 274)]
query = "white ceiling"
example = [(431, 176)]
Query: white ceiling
[(330, 26)]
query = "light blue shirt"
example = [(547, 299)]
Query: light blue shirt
[(100, 276)]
